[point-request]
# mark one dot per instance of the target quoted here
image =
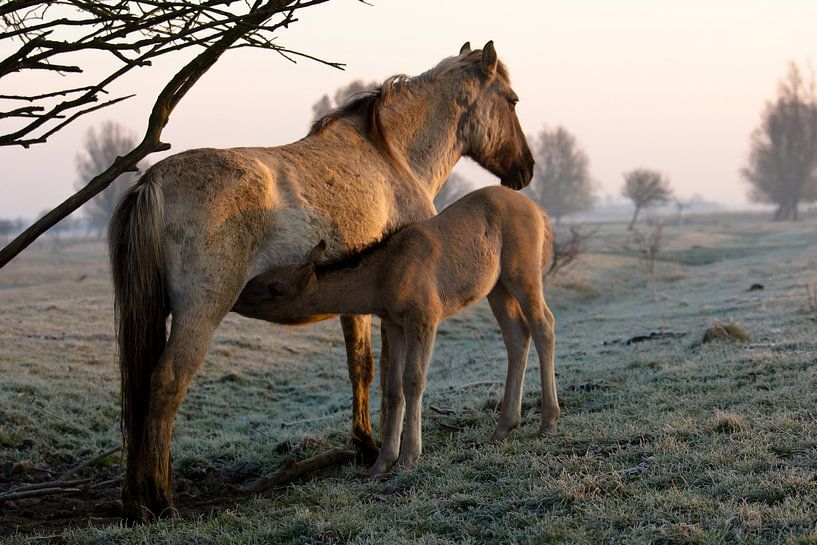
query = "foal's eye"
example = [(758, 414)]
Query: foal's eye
[(512, 102), (275, 290)]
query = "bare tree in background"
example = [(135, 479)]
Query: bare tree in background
[(66, 37), (453, 189), (101, 148), (561, 181), (342, 96), (646, 188), (782, 167)]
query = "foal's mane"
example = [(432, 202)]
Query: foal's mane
[(354, 259), (368, 104)]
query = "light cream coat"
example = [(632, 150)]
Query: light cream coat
[(199, 224)]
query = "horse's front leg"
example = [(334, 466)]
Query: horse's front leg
[(357, 334)]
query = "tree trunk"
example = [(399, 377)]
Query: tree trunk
[(635, 217), (783, 212)]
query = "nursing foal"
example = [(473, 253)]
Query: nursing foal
[(492, 242)]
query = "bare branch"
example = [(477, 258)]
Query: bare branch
[(216, 44), (131, 33)]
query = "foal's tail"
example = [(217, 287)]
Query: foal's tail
[(547, 244), (141, 300)]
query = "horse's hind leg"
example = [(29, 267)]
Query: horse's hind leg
[(189, 340), (357, 334), (517, 341)]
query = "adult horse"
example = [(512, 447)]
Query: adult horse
[(198, 225)]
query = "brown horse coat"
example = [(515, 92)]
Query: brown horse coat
[(493, 242)]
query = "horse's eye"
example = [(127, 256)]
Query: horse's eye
[(512, 102)]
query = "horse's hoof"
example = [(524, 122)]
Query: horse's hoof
[(133, 514), (367, 450)]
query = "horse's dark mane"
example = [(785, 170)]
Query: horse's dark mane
[(365, 106)]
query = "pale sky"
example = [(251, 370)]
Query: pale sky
[(673, 86)]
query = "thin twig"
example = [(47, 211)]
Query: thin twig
[(11, 496), (475, 385), (91, 461), (60, 483), (450, 427), (293, 470)]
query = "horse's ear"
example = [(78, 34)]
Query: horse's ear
[(317, 253), (466, 48), (489, 59)]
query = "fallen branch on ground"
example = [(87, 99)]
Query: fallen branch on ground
[(293, 470), (91, 461), (43, 489), (476, 384)]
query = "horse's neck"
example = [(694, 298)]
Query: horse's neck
[(421, 126)]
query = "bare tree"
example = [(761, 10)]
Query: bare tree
[(62, 36), (648, 245), (568, 246), (100, 150), (454, 187), (646, 188), (782, 166), (561, 182), (325, 105)]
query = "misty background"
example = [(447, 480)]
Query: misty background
[(637, 83)]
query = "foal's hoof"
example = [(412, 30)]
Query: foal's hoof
[(376, 475), (547, 428), (499, 435)]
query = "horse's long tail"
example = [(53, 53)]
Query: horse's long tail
[(141, 300)]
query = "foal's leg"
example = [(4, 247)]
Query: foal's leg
[(419, 344), (528, 293), (517, 341), (393, 420), (357, 333)]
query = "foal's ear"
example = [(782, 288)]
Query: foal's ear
[(317, 253), (489, 59), (306, 279), (466, 48)]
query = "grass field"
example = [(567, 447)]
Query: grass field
[(664, 441)]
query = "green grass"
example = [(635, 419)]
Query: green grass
[(662, 442)]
